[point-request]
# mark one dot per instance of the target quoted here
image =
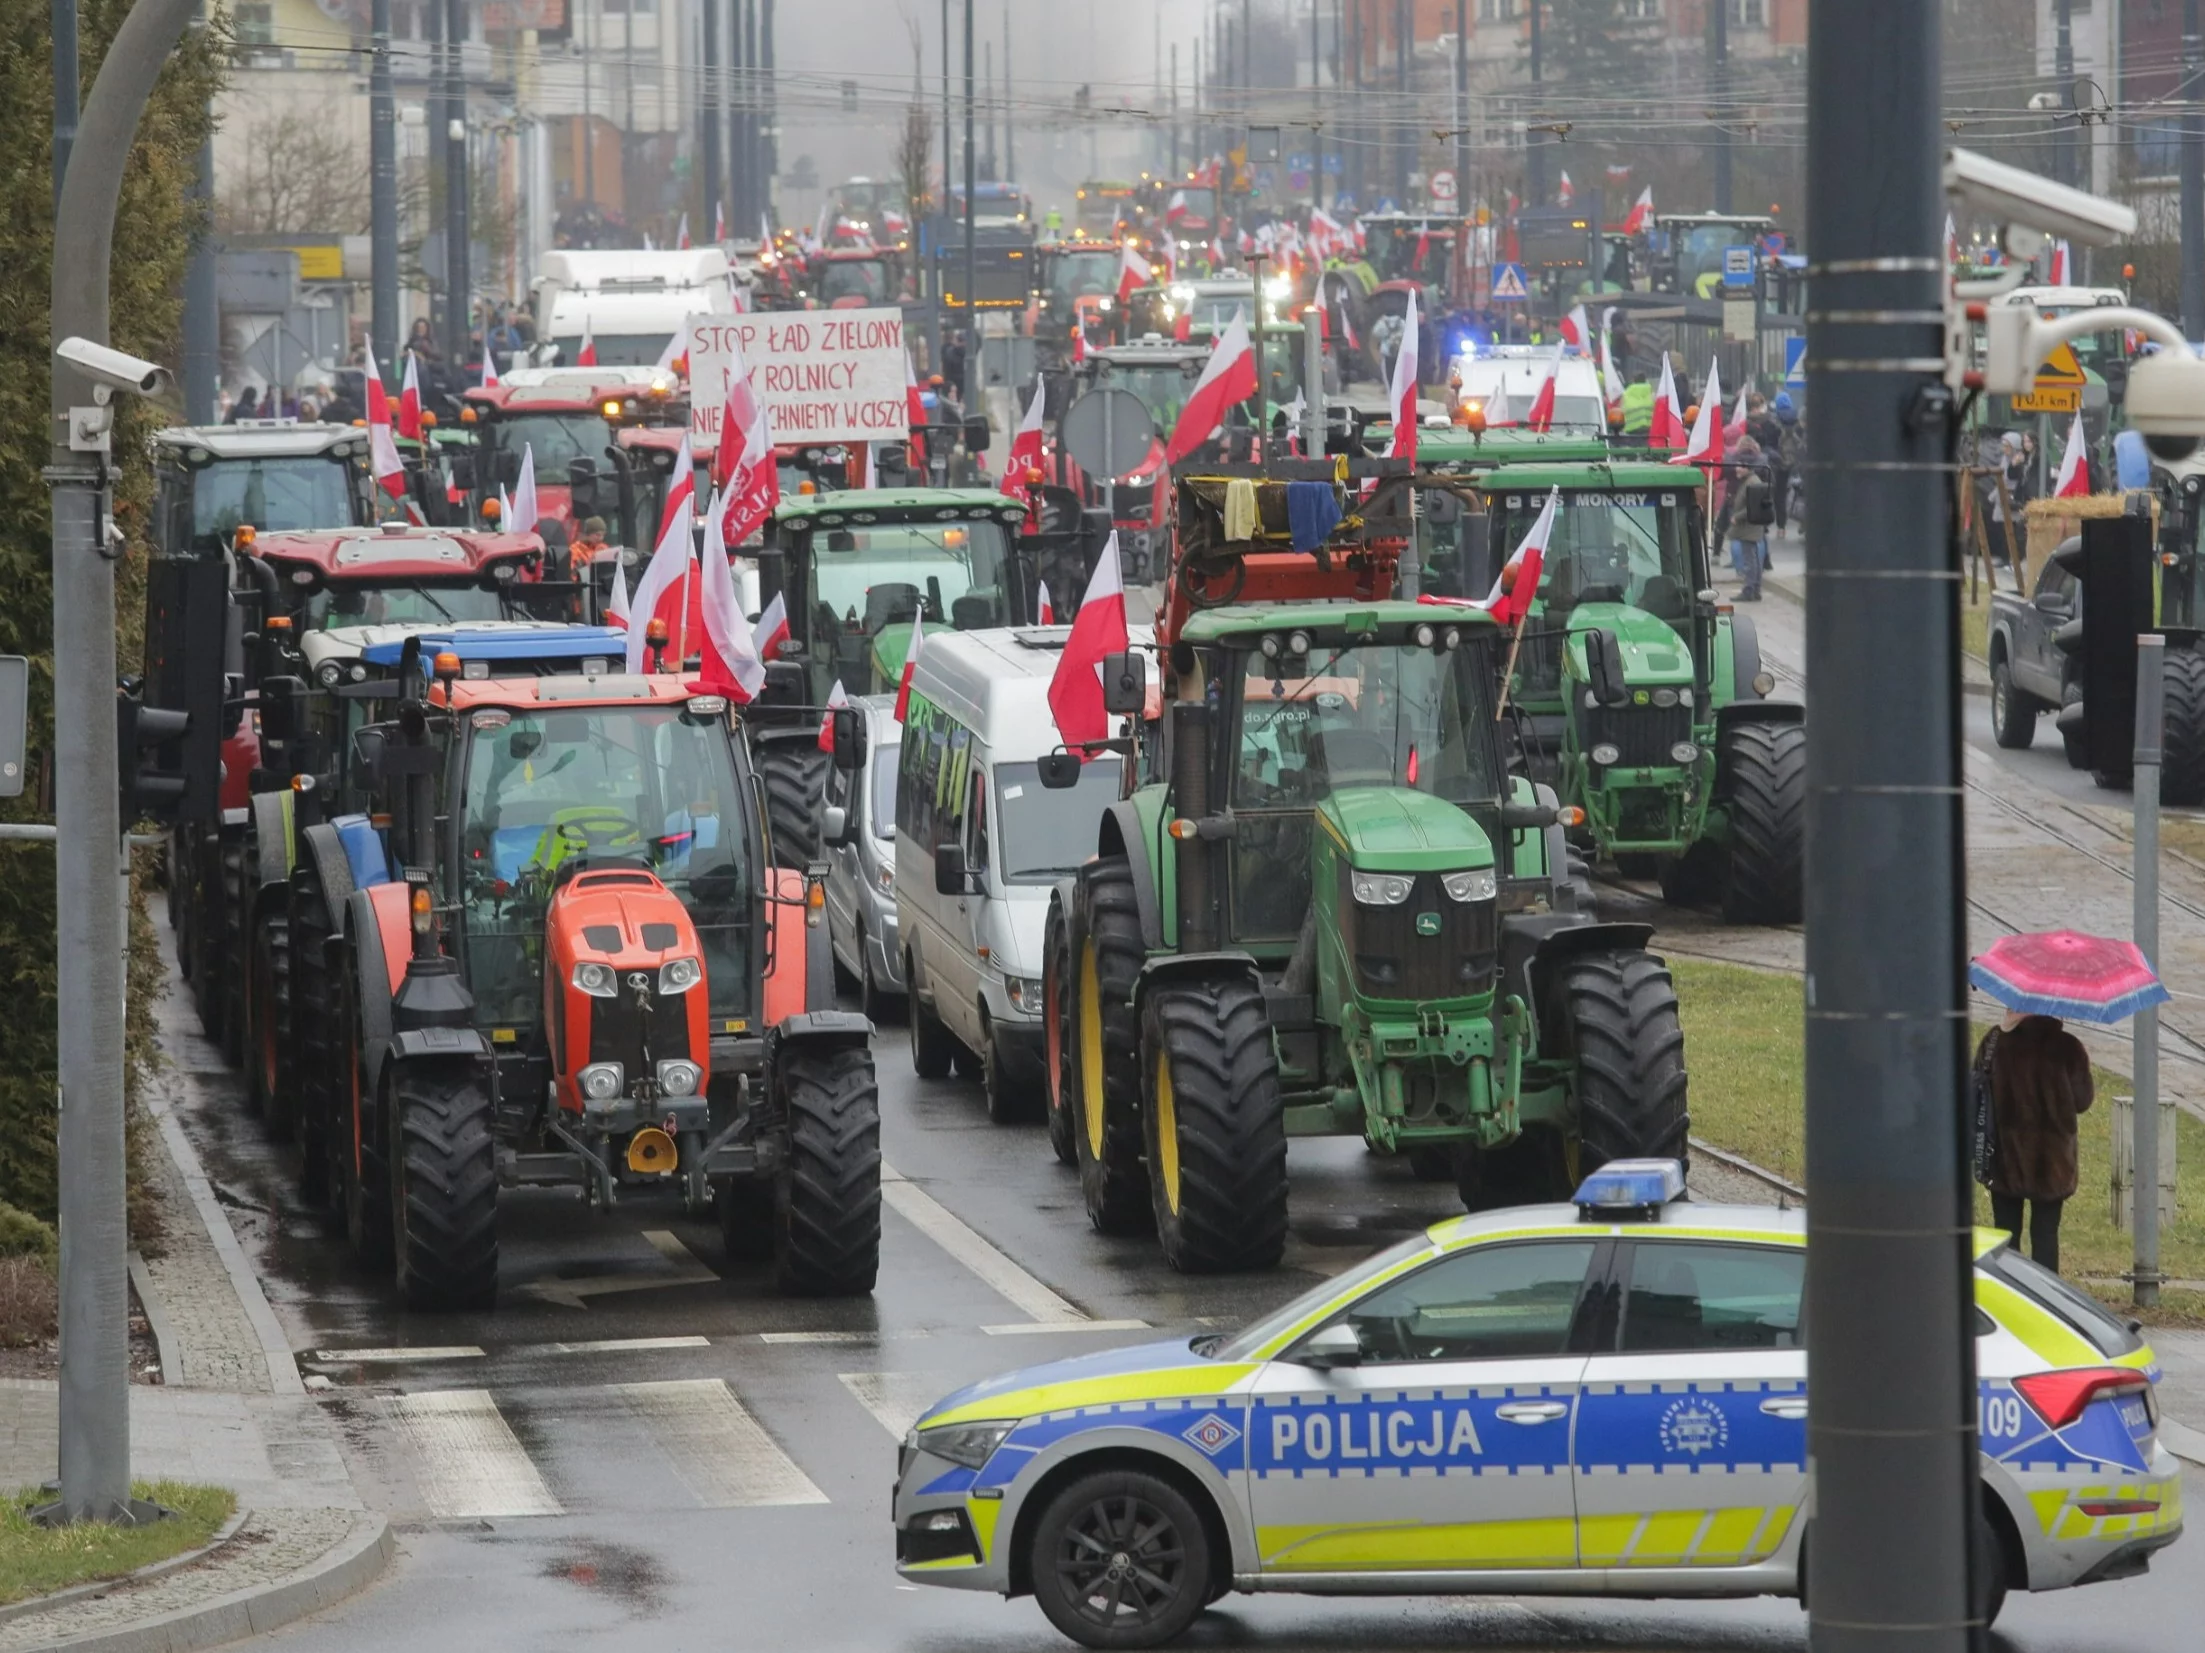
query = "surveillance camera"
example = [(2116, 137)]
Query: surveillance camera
[(2012, 196), (115, 369), (2166, 402)]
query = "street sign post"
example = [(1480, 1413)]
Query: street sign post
[(1737, 266), (1508, 284), (2059, 385)]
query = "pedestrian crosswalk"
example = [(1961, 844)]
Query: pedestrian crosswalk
[(468, 1461)]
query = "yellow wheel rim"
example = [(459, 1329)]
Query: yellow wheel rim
[(1091, 1051), (1167, 1132)]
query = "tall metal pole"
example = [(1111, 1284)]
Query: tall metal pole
[(972, 188), (740, 144), (1010, 125), (1171, 165), (2151, 726), (708, 114), (1719, 94), (382, 190), (66, 75), (1355, 105), (2193, 173), (1462, 113), (949, 149), (1316, 104), (769, 135), (1405, 146), (987, 95), (589, 104), (456, 230), (2063, 69), (202, 317), (439, 122), (90, 934), (1535, 143), (1891, 1365)]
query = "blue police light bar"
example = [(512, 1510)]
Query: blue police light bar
[(573, 643), (1626, 1188)]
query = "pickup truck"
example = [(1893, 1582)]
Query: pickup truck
[(2029, 672)]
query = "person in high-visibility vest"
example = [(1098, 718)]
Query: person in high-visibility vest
[(1638, 408)]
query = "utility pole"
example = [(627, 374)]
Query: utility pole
[(708, 135), (2151, 735), (94, 1397), (202, 316), (1405, 149), (1535, 150), (973, 380), (456, 231), (1171, 169), (769, 137), (1462, 119), (987, 93), (589, 109), (1891, 1365), (66, 76), (1010, 123), (1719, 92), (2193, 174), (437, 119), (383, 325), (741, 139), (1355, 104), (949, 149), (2063, 69)]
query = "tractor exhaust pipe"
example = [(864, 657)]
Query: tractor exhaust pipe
[(1190, 783)]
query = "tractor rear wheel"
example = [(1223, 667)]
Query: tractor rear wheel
[(827, 1202), (361, 1180), (268, 1088), (1613, 1018), (1107, 1034), (1764, 771), (795, 773), (2182, 759), (444, 1189), (230, 985), (1216, 1126), (318, 1038), (1057, 1044)]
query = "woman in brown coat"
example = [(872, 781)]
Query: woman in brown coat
[(2039, 1080)]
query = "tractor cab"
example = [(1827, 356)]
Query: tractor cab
[(567, 417), (269, 473), (1452, 530), (1639, 696), (854, 278)]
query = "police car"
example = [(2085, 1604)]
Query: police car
[(1605, 1398)]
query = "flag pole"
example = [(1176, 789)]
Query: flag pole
[(1508, 670)]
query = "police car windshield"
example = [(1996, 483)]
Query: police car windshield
[(1243, 1344)]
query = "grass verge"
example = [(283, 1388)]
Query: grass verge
[(1744, 1045), (36, 1561)]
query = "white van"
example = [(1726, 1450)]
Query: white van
[(628, 303), (979, 845), (1502, 384)]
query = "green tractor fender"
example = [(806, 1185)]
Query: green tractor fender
[(1760, 711), (1534, 950), (1167, 968), (1134, 828), (1736, 666)]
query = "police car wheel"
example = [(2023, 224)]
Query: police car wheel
[(1121, 1559)]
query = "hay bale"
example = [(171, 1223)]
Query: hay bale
[(2050, 523)]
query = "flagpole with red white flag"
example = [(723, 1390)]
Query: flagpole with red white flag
[(744, 466), (666, 577), (772, 629), (1026, 448), (1133, 272), (1641, 210), (910, 661), (1045, 612), (2074, 477), (525, 508), (409, 402), (1098, 630), (1401, 391), (1667, 430), (1541, 417), (383, 460), (1517, 587), (730, 662), (586, 356), (837, 698), (1705, 446), (489, 367), (1229, 376)]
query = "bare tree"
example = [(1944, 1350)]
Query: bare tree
[(914, 152), (300, 176)]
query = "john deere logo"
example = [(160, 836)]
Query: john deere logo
[(1427, 924)]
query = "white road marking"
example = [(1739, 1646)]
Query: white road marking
[(468, 1463), (897, 1399), (715, 1447), (687, 1270), (1026, 1327), (837, 1337), (935, 1220), (612, 1345), (447, 1351)]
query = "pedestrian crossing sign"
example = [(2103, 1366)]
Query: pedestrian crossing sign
[(1795, 363), (1508, 284)]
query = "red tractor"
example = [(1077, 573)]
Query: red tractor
[(568, 960), (566, 417)]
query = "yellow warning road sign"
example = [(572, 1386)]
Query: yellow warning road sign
[(2059, 385)]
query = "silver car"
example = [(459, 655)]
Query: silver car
[(861, 868)]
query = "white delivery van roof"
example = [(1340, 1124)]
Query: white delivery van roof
[(634, 270), (997, 682), (1578, 403)]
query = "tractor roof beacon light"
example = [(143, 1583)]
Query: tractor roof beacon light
[(1629, 1190)]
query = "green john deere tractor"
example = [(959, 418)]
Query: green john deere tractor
[(1641, 699), (1340, 914), (857, 569)]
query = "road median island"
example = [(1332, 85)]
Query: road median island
[(37, 1560), (1745, 1030)]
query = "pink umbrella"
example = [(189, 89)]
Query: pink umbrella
[(2064, 973)]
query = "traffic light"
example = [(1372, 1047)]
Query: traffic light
[(141, 731), (2112, 564)]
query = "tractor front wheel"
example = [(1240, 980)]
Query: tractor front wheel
[(1614, 1020), (2182, 758), (827, 1203), (350, 1143), (1057, 1043), (318, 1038), (444, 1189), (1107, 1035), (1764, 769), (1216, 1126), (795, 773)]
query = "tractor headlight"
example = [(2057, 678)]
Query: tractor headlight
[(601, 1081), (678, 1078), (1381, 889), (1685, 753), (1477, 885), (330, 674), (679, 975), (1764, 685), (599, 981), (1665, 698), (1607, 752), (969, 1444)]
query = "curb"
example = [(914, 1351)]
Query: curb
[(283, 1367), (156, 1319), (151, 1570), (356, 1559), (2183, 1441)]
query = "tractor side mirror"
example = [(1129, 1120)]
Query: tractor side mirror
[(1060, 771), (279, 707), (1604, 667), (849, 738), (949, 870), (508, 467), (367, 751), (1330, 1346), (582, 483), (1125, 683), (977, 434), (463, 471), (834, 827)]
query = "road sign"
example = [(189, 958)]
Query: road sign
[(1737, 266), (1442, 186), (1508, 284), (1108, 431), (1795, 363), (2059, 385)]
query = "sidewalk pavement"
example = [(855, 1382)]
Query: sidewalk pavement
[(236, 1415)]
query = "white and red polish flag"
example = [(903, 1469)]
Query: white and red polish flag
[(1045, 612), (1229, 376), (1099, 629), (837, 698), (664, 591), (1510, 598), (1705, 446), (1133, 272), (2074, 477), (1401, 393), (730, 664), (743, 468), (910, 662), (1026, 448), (1667, 430), (772, 629), (390, 473), (409, 401), (1541, 417)]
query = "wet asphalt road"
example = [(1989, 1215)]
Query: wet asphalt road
[(731, 1485)]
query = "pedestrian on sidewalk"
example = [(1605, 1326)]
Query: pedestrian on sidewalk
[(2036, 1077), (1744, 520), (1790, 456)]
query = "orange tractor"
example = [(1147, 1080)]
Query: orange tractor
[(574, 963)]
